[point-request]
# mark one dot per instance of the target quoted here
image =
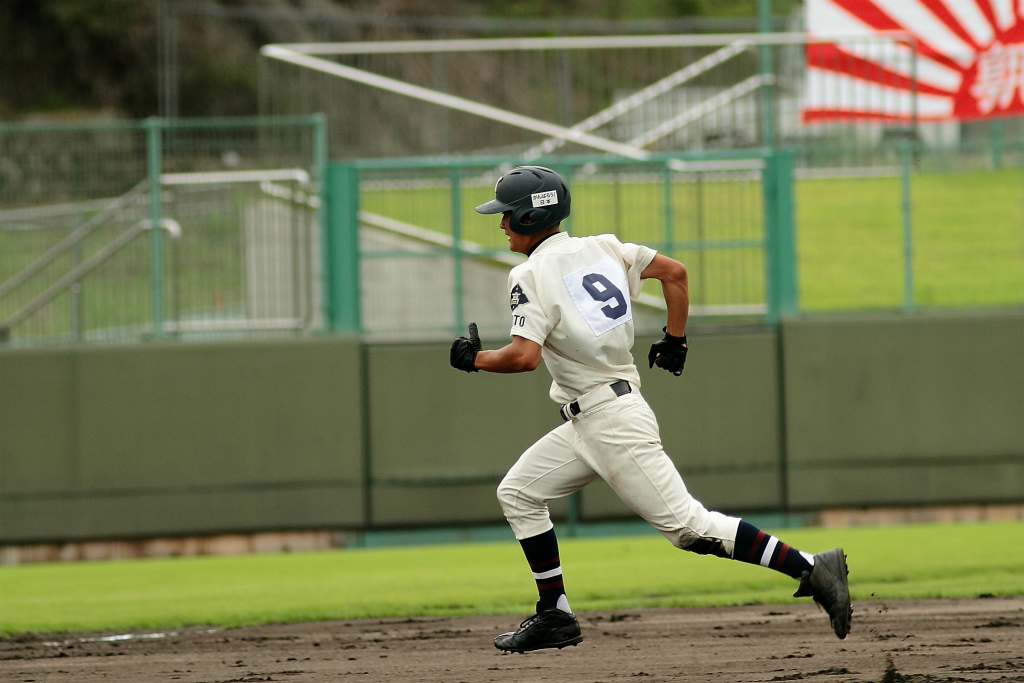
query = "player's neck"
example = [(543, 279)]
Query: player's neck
[(541, 238)]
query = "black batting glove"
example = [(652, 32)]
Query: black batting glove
[(464, 350), (668, 353)]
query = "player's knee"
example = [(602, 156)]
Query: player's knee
[(515, 500), (508, 495)]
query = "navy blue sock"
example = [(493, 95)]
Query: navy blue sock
[(542, 553), (757, 547)]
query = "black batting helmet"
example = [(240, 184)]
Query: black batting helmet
[(537, 197)]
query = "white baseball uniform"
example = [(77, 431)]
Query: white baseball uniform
[(573, 297)]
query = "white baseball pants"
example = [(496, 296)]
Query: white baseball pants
[(618, 441)]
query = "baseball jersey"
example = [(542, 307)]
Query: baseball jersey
[(573, 297)]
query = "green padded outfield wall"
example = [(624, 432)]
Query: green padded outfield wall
[(905, 410), (188, 439), (179, 439), (442, 439)]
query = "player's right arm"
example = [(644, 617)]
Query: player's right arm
[(519, 355)]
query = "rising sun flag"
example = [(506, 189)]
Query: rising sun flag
[(897, 59)]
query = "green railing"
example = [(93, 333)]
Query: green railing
[(405, 235), (236, 202), (898, 227), (244, 245)]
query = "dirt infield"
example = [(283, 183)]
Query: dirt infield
[(931, 641)]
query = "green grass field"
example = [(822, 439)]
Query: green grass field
[(923, 561)]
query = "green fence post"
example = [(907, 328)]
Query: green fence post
[(908, 232), (764, 17), (154, 154), (572, 520), (320, 166), (320, 187), (780, 239), (455, 198), (341, 250), (666, 192)]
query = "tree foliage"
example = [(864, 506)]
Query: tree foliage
[(69, 57)]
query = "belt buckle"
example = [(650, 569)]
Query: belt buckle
[(569, 410), (621, 387)]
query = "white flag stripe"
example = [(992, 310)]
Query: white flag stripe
[(766, 557), (925, 25), (938, 75), (1020, 9), (899, 58), (972, 20), (548, 574), (825, 18), (835, 91), (1003, 10)]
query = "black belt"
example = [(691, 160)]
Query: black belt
[(571, 410)]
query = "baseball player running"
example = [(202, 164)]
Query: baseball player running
[(571, 308)]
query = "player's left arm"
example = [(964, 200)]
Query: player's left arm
[(675, 287), (669, 352)]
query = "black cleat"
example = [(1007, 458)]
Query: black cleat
[(547, 628), (827, 584)]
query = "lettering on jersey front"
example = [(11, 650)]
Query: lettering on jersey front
[(517, 298), (601, 295)]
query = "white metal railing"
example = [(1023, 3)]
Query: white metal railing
[(268, 183)]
